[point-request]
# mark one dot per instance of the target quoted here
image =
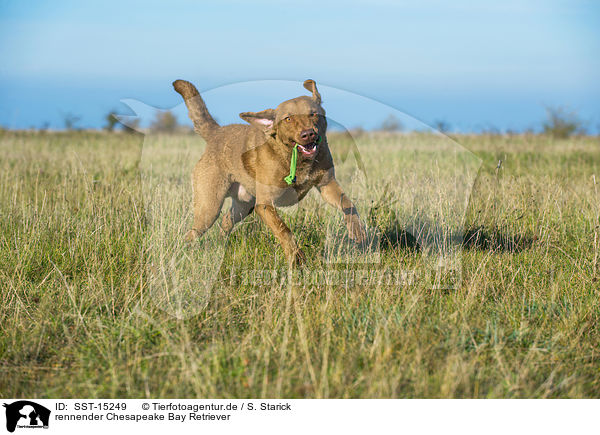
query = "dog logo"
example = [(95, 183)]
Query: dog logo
[(26, 414)]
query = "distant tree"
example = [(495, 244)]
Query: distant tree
[(391, 124), (165, 122), (70, 121), (562, 123), (133, 126), (111, 121), (441, 126)]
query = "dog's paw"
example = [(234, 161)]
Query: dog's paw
[(357, 233), (296, 257), (191, 236), (300, 257)]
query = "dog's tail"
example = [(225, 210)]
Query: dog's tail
[(204, 123)]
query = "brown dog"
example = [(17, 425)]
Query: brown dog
[(249, 163)]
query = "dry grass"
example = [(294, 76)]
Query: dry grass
[(90, 224)]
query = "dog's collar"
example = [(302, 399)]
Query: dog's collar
[(290, 179)]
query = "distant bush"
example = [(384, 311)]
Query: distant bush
[(165, 122), (133, 127), (441, 126), (562, 123), (71, 121), (391, 124), (111, 121)]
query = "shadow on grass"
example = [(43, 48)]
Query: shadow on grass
[(481, 238), (395, 236), (252, 246)]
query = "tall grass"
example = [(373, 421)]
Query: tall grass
[(90, 224)]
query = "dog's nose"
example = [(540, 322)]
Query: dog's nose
[(308, 135)]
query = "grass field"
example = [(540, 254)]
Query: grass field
[(90, 224)]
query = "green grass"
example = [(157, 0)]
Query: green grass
[(89, 224)]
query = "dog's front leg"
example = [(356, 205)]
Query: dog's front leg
[(333, 194), (269, 216)]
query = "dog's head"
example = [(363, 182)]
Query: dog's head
[(297, 121)]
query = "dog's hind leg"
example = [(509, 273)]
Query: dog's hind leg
[(210, 186), (238, 211)]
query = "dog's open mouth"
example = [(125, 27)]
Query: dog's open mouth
[(309, 149)]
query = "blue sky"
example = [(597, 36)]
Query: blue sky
[(474, 64)]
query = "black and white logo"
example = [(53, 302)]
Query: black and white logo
[(25, 414)]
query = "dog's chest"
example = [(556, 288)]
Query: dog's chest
[(292, 194)]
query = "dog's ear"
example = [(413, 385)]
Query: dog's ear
[(262, 120), (310, 85)]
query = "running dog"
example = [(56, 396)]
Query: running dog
[(272, 162)]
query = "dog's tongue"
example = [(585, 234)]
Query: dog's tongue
[(308, 149)]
